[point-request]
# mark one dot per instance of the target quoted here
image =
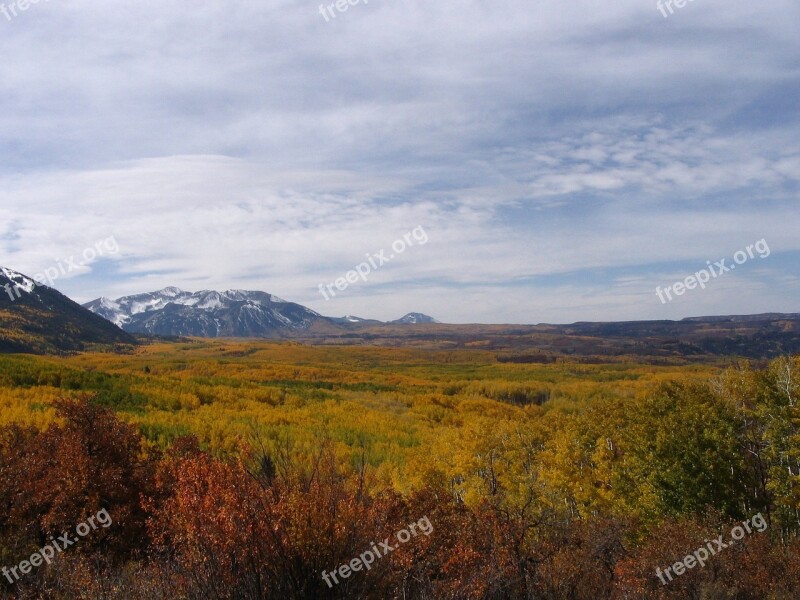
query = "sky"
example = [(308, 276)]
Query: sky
[(560, 160)]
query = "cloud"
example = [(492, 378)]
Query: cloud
[(551, 151)]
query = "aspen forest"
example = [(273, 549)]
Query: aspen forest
[(242, 470)]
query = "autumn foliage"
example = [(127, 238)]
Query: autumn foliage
[(527, 500)]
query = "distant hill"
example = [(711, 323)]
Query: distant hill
[(40, 320), (350, 319), (698, 339), (414, 318)]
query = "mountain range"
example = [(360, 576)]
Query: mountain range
[(232, 313), (37, 319)]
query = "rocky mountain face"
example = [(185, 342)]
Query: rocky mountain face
[(233, 313)]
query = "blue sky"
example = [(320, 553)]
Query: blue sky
[(564, 159)]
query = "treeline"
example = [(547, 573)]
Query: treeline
[(584, 502)]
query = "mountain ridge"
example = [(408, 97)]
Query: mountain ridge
[(38, 319), (172, 311)]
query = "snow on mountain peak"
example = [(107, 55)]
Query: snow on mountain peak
[(109, 303), (22, 283), (171, 291), (207, 313), (210, 301), (415, 318)]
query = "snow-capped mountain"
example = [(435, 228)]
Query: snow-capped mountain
[(15, 284), (414, 318), (233, 313), (36, 318)]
